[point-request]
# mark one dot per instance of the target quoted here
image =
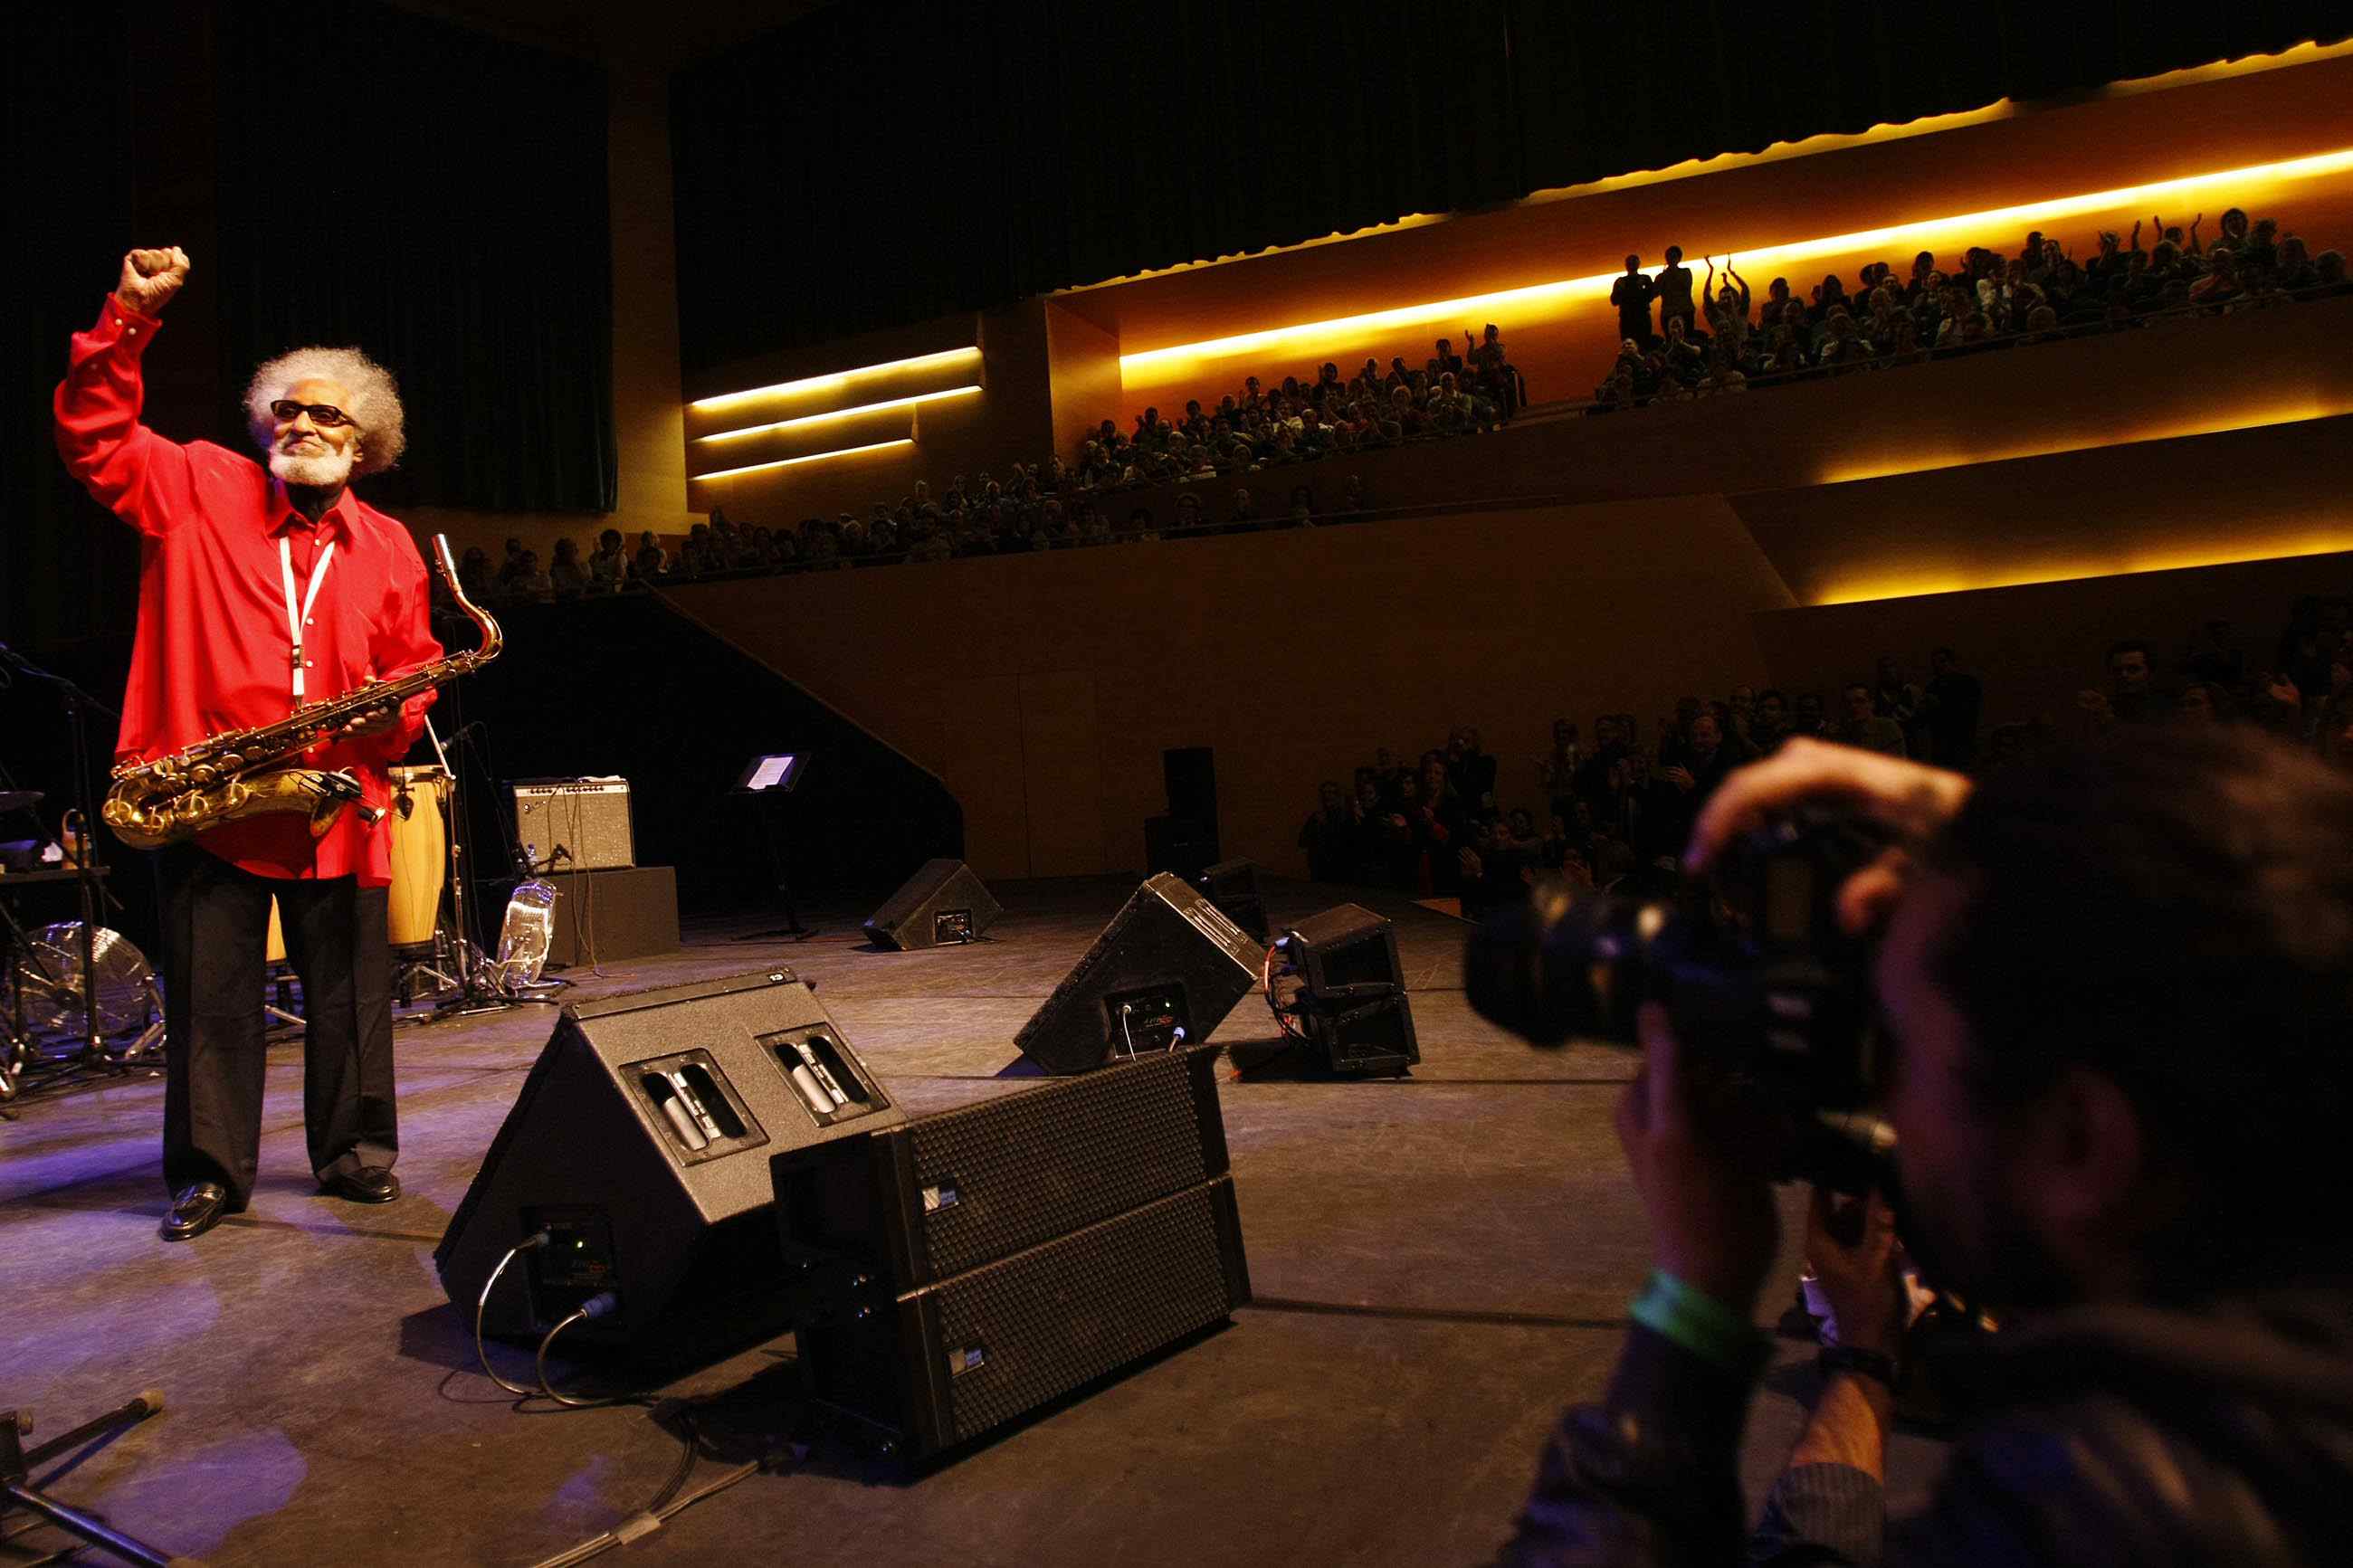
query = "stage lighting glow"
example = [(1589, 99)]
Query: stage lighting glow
[(837, 379), (1999, 225), (797, 423), (810, 457)]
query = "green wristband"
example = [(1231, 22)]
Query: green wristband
[(1699, 1323)]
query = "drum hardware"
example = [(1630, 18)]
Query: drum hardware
[(88, 877)]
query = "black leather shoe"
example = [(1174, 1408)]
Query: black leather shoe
[(368, 1184), (196, 1209)]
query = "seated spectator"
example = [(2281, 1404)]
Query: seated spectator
[(1686, 362), (530, 583), (2131, 697), (608, 569), (1866, 727), (1495, 374), (653, 560), (1724, 375), (1239, 508), (474, 575)]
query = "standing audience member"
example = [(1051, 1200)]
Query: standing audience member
[(1330, 835), (1951, 705), (1673, 286), (1631, 294)]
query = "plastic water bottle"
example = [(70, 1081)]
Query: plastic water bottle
[(525, 936)]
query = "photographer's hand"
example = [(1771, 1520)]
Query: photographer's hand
[(1912, 798), (1701, 1166), (1860, 1277)]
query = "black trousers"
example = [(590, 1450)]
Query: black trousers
[(215, 941)]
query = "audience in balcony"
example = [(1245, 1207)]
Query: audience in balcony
[(1989, 302), (1711, 337)]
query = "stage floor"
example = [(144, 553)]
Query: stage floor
[(1441, 1263)]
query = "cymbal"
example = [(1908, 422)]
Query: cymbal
[(14, 799)]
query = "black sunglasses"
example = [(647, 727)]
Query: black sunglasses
[(326, 416)]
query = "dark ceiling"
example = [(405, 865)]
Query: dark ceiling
[(624, 33)]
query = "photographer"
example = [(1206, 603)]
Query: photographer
[(2118, 981)]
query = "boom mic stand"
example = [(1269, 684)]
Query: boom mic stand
[(17, 1490), (475, 978)]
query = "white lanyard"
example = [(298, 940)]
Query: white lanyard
[(297, 617)]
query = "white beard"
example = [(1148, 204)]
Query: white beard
[(317, 471)]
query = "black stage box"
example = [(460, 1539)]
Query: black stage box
[(961, 1269), (641, 1142), (1232, 886), (941, 904), (1168, 961), (1355, 1005), (603, 917)]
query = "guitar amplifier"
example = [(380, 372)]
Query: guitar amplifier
[(588, 819)]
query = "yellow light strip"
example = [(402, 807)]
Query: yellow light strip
[(842, 413), (838, 378), (1921, 586), (812, 458), (1914, 236), (2290, 412)]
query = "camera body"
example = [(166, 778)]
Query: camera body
[(1763, 985)]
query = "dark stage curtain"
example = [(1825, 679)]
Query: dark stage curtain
[(883, 162), (64, 563), (347, 173), (436, 197)]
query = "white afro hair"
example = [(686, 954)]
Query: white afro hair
[(376, 400)]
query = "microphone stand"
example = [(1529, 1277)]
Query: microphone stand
[(478, 987)]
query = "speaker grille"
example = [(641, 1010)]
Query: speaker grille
[(1036, 1326), (1048, 1161)]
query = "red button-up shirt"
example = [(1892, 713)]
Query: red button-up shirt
[(214, 650)]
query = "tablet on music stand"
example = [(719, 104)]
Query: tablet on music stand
[(777, 773)]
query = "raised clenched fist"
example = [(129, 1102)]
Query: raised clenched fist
[(150, 277)]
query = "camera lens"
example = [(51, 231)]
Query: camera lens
[(1566, 964)]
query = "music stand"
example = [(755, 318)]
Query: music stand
[(766, 780)]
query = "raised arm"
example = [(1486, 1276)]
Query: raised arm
[(136, 474)]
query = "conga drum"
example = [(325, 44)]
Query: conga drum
[(420, 856)]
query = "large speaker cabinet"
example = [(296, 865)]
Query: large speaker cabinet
[(942, 904), (640, 1141), (1167, 969), (962, 1270)]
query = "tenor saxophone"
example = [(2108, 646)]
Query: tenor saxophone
[(245, 772)]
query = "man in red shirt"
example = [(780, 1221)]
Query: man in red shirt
[(261, 589)]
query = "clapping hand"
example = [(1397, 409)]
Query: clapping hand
[(1680, 777), (150, 278)]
